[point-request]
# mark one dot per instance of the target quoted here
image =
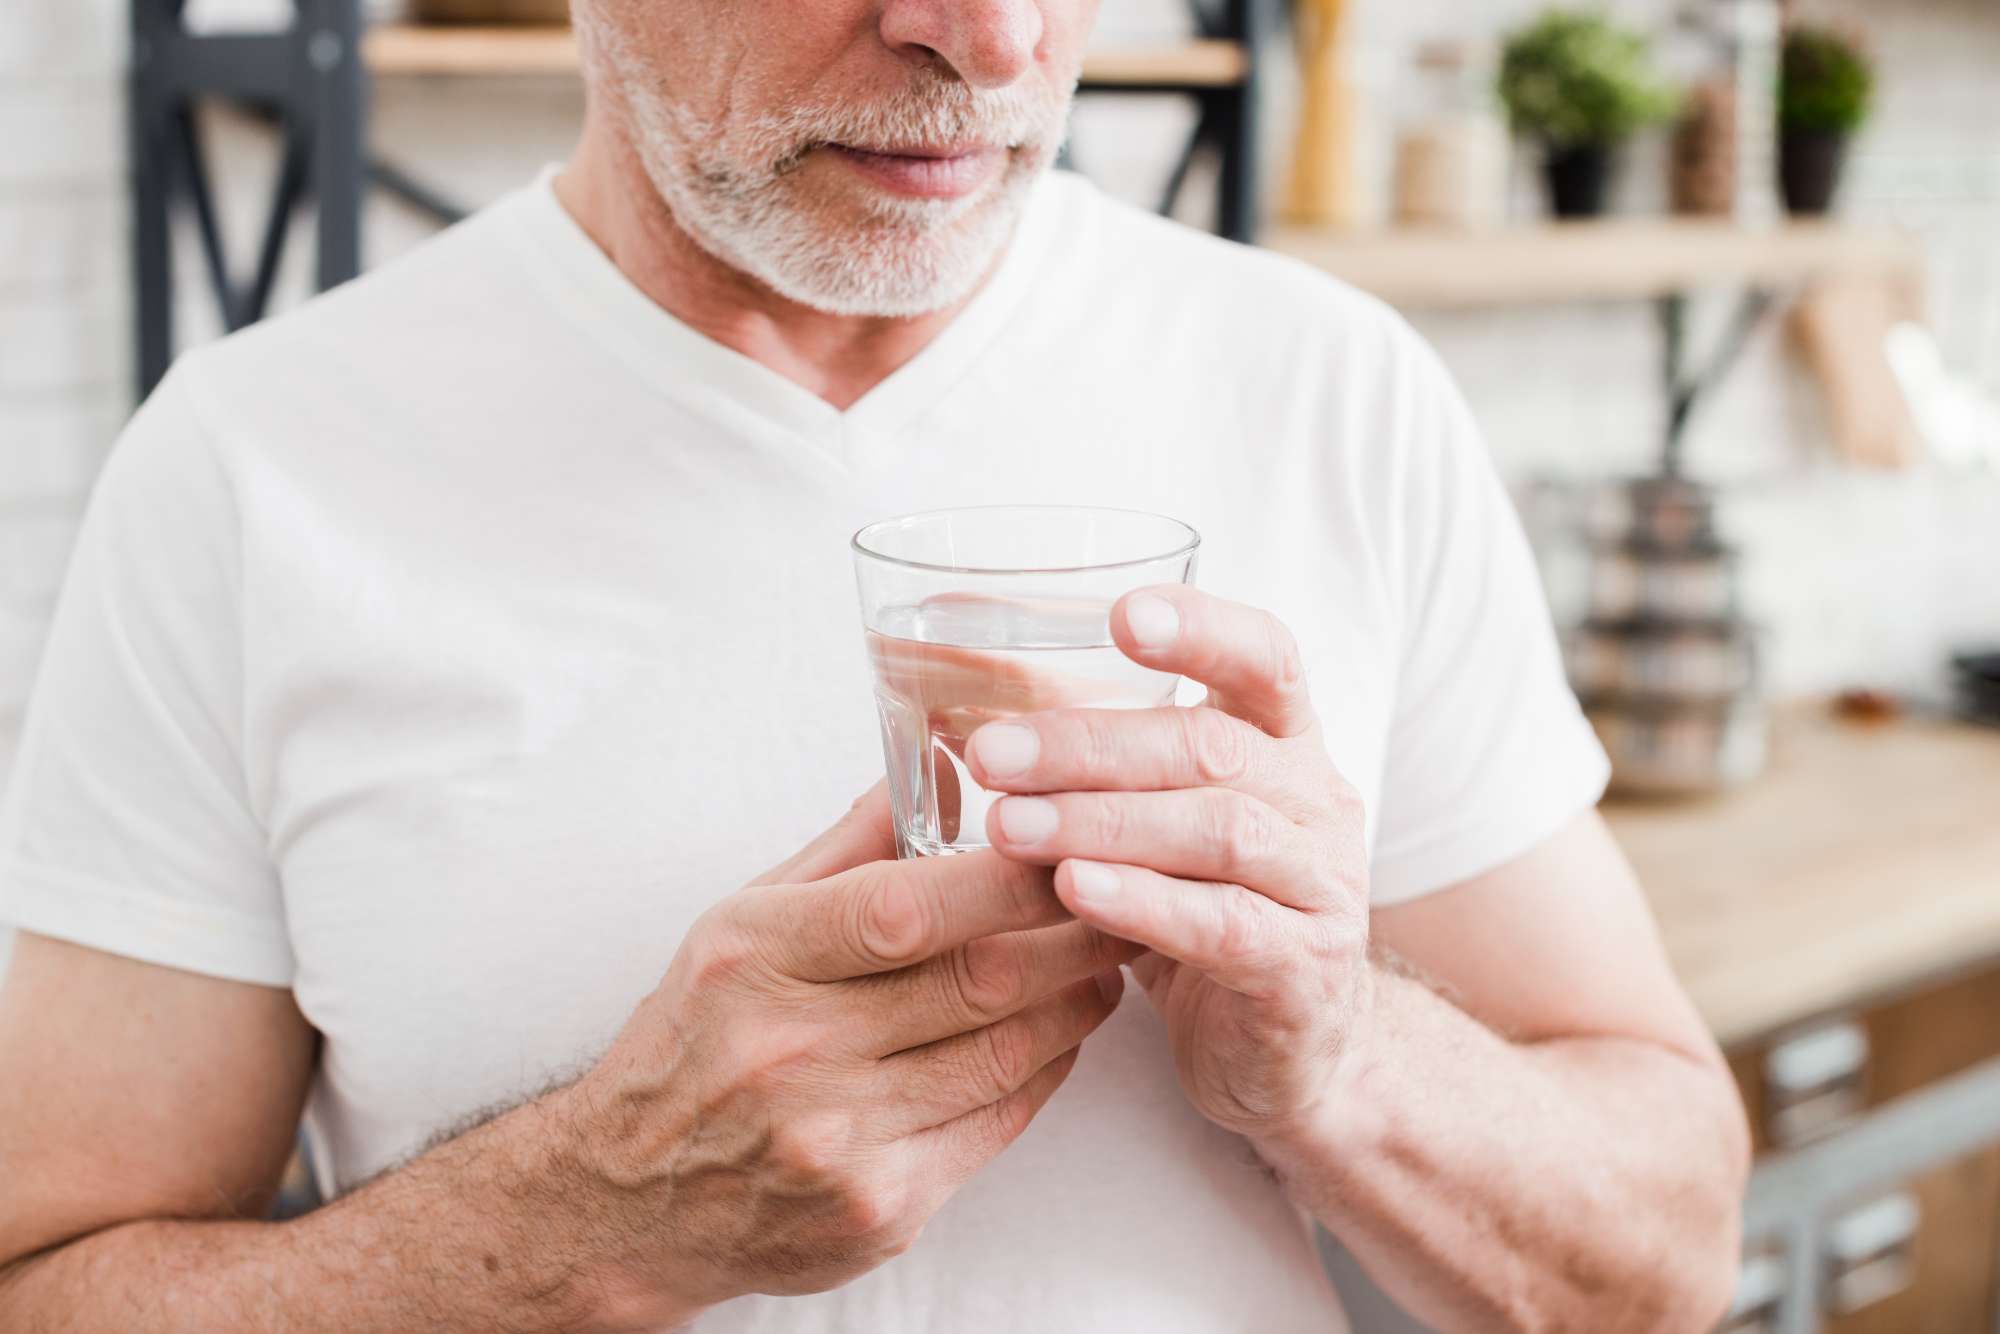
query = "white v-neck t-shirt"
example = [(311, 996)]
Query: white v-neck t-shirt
[(442, 649)]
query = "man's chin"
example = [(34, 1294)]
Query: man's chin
[(831, 242), (892, 284)]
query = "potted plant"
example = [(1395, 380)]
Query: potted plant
[(1581, 85), (1825, 89)]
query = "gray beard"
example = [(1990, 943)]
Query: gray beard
[(908, 257)]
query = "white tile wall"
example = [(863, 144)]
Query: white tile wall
[(59, 131), (54, 442), (76, 37), (56, 239), (63, 296), (60, 341)]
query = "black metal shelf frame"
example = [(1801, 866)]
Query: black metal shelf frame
[(309, 81)]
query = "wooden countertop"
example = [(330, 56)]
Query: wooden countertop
[(1866, 859)]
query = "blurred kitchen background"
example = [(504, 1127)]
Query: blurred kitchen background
[(1748, 395)]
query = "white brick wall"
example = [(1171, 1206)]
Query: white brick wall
[(59, 130), (56, 239), (63, 297), (63, 302)]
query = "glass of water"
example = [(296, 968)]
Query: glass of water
[(978, 614)]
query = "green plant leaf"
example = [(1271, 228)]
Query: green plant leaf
[(1828, 83), (1575, 77)]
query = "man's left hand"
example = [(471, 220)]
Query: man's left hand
[(1221, 837)]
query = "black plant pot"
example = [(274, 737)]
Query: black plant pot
[(1579, 177), (1809, 164)]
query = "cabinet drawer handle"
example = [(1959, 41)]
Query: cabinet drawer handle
[(1815, 1082), (1869, 1252)]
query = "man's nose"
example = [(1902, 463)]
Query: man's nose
[(989, 43)]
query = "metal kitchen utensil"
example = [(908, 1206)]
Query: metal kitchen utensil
[(1976, 685), (1664, 512), (1638, 580), (1665, 664), (1675, 661), (1664, 748)]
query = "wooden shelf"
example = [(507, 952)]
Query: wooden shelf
[(399, 49), (1865, 861), (410, 48), (1210, 63), (1612, 259)]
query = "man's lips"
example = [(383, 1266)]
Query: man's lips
[(945, 171)]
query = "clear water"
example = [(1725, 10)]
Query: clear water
[(949, 665)]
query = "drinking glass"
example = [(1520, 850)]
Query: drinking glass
[(976, 614)]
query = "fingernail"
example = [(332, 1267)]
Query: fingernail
[(1027, 819), (1094, 882), (1005, 749), (1152, 621), (1111, 986)]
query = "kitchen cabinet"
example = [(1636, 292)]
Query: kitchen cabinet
[(1838, 925), (1911, 1243), (1897, 1047), (1952, 1257), (1940, 1032)]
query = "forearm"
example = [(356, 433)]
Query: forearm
[(1572, 1184), (471, 1236)]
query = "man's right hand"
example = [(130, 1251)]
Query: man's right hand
[(829, 1057)]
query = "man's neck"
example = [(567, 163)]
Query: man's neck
[(838, 357)]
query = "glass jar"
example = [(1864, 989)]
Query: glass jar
[(1452, 155)]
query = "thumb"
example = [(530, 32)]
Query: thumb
[(865, 834)]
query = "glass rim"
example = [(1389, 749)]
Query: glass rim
[(1190, 543)]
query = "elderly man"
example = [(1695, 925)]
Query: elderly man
[(440, 664)]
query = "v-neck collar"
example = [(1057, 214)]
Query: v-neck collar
[(699, 372)]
